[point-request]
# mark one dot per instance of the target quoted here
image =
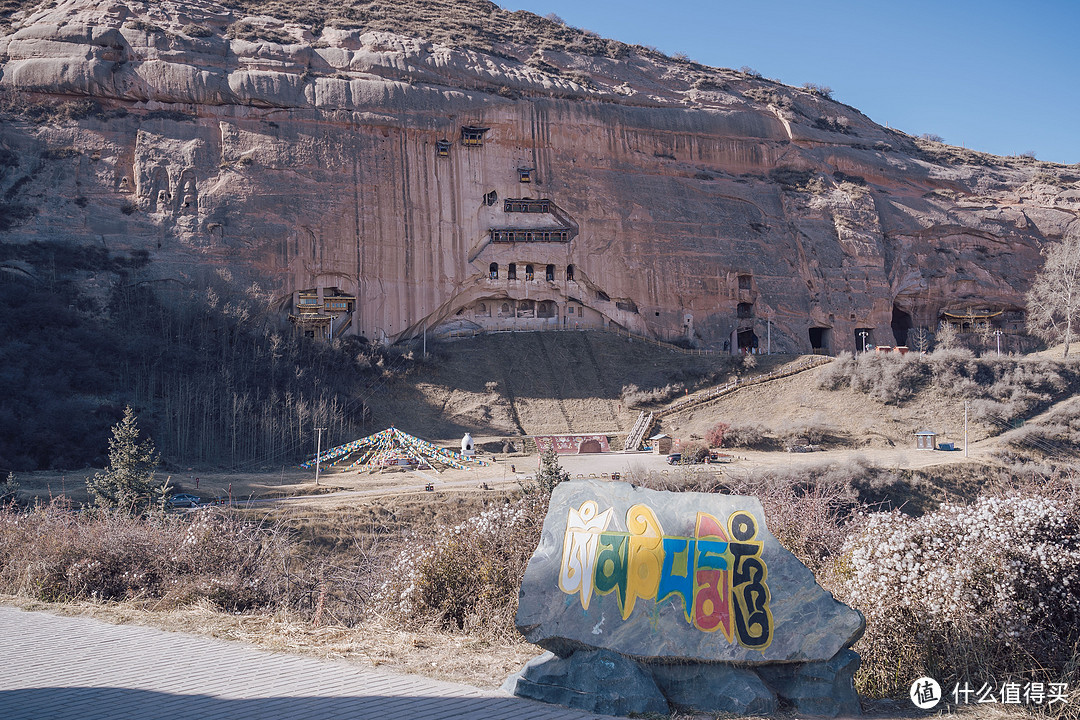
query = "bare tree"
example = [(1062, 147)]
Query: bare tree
[(1053, 303)]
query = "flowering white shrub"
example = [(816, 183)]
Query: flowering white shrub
[(466, 576), (967, 591)]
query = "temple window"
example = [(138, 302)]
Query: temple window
[(442, 148), (525, 174), (549, 273), (511, 271), (493, 271), (528, 272)]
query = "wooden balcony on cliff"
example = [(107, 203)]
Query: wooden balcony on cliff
[(338, 302), (972, 320), (473, 136)]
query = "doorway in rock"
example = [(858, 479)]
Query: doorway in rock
[(901, 325), (864, 339), (748, 340), (819, 340)]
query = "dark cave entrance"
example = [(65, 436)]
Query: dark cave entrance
[(901, 325), (747, 340), (819, 340)]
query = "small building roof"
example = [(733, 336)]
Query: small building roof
[(660, 436), (926, 432)]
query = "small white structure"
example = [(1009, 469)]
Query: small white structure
[(468, 448), (661, 444)]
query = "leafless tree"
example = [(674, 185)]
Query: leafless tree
[(1053, 303)]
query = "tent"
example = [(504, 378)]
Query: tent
[(391, 447)]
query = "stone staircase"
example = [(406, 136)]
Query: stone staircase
[(639, 431)]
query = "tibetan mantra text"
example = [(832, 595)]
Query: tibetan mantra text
[(718, 573)]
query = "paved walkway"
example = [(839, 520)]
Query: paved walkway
[(56, 668)]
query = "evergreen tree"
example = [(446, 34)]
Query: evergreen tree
[(9, 489), (551, 473), (128, 483)]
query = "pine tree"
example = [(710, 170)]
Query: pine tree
[(9, 489), (128, 483), (551, 473)]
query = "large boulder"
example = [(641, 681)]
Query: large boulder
[(714, 688), (598, 681), (675, 576), (818, 688)]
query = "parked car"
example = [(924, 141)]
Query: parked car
[(184, 500), (674, 458)]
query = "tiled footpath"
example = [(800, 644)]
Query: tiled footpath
[(61, 668)]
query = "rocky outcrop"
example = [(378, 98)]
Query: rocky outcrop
[(682, 201), (692, 587)]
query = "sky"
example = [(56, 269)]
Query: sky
[(1000, 77)]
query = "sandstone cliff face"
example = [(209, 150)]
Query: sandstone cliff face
[(683, 202)]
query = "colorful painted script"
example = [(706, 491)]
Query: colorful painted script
[(718, 574)]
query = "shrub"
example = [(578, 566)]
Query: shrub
[(467, 576), (747, 436), (966, 592), (716, 434), (53, 553), (197, 31)]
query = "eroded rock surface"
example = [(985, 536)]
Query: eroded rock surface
[(682, 201)]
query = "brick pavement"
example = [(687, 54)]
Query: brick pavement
[(73, 668)]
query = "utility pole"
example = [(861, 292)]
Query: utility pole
[(863, 334), (998, 333), (318, 454), (425, 340), (966, 428)]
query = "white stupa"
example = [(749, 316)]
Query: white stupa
[(468, 449)]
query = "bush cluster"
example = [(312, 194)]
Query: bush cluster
[(1001, 388), (466, 577), (54, 553), (967, 592)]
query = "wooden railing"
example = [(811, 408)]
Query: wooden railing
[(717, 392)]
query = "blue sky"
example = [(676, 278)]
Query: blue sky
[(1001, 77)]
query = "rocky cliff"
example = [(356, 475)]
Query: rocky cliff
[(527, 183)]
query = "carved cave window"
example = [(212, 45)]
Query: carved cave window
[(527, 205), (493, 271), (569, 272), (529, 272), (511, 271), (491, 198), (549, 273), (744, 282)]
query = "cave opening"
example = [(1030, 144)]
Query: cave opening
[(819, 340), (747, 340), (901, 325)]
